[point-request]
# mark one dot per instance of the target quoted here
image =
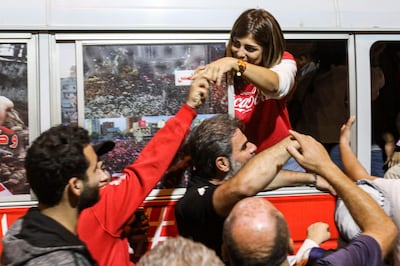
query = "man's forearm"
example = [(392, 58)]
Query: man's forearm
[(286, 178), (369, 216), (352, 165), (252, 178), (261, 170)]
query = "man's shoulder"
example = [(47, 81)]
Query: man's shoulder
[(61, 257), (198, 192), (363, 250), (383, 182), (198, 196)]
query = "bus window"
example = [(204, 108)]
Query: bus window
[(319, 105), (14, 130), (67, 70), (130, 89), (385, 95)]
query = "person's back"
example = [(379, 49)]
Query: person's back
[(195, 214), (204, 226), (48, 243)]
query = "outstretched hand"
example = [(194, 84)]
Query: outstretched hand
[(215, 71), (324, 185), (345, 131), (311, 155), (198, 92)]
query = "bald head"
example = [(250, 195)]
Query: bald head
[(255, 231)]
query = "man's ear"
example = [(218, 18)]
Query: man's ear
[(76, 186), (291, 247), (223, 164)]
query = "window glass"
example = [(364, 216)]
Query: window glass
[(319, 105), (131, 90), (13, 118), (67, 70), (385, 107)]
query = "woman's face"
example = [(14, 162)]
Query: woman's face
[(247, 49)]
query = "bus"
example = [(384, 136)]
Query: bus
[(120, 69)]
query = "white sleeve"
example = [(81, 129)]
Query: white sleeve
[(305, 249), (286, 71)]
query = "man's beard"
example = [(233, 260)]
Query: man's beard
[(90, 196), (235, 167)]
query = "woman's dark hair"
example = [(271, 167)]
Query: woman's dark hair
[(265, 30)]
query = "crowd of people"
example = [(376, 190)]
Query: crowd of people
[(230, 159)]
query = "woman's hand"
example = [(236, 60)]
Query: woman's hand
[(215, 71)]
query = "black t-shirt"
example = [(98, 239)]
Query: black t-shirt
[(196, 217)]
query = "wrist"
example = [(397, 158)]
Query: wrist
[(242, 66), (344, 143), (194, 102), (187, 106), (311, 242), (314, 179), (190, 105)]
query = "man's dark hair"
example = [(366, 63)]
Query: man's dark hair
[(207, 141), (53, 158)]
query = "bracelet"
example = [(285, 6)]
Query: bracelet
[(242, 67), (314, 182)]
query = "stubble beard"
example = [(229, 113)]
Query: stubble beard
[(90, 196)]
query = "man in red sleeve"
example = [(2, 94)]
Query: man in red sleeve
[(101, 226)]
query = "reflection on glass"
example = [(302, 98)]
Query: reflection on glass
[(13, 118), (385, 95), (67, 69), (132, 90), (320, 102)]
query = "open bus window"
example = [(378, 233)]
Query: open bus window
[(319, 104), (130, 90), (385, 107)]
